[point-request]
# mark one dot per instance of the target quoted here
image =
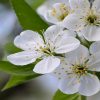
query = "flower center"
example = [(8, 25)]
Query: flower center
[(60, 12), (47, 51), (91, 19), (79, 70)]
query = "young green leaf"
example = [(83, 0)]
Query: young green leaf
[(28, 18), (61, 96), (16, 70), (17, 80), (10, 48)]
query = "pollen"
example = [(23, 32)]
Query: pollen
[(91, 18), (61, 12), (53, 12), (79, 70)]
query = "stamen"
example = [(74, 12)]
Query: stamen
[(79, 69), (91, 18), (53, 12), (46, 50), (64, 12)]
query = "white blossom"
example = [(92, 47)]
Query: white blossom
[(47, 5), (58, 12), (76, 72), (55, 40), (85, 19)]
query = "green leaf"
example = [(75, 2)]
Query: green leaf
[(4, 1), (16, 70), (28, 18), (35, 3), (10, 48), (17, 80), (20, 74), (61, 96)]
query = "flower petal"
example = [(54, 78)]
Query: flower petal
[(28, 40), (91, 33), (47, 65), (58, 12), (77, 56), (49, 18), (47, 5), (69, 85), (23, 58), (95, 47), (63, 69), (66, 44), (90, 85), (41, 10), (79, 4), (96, 5), (60, 39), (94, 62), (52, 33), (74, 22), (69, 33)]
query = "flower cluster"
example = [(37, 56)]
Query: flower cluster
[(59, 51)]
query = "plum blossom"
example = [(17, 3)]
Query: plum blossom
[(58, 12), (42, 9), (85, 20), (55, 41), (76, 72)]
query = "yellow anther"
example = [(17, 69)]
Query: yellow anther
[(53, 12)]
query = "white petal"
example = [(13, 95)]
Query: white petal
[(69, 85), (90, 85), (63, 69), (96, 5), (69, 33), (95, 47), (92, 33), (41, 10), (94, 62), (79, 4), (74, 22), (23, 58), (63, 1), (28, 40), (78, 56), (66, 44), (56, 1), (47, 5), (56, 36), (49, 18), (55, 14), (47, 65), (52, 33)]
